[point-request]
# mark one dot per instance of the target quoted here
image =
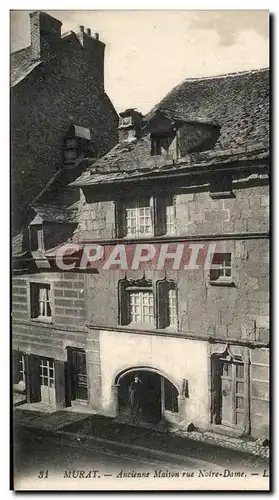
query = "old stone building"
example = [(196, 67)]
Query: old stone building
[(55, 82), (192, 172)]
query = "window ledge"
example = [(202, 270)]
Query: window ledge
[(225, 194), (222, 283), (137, 236), (171, 328), (42, 319), (140, 326)]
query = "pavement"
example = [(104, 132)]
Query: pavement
[(81, 427)]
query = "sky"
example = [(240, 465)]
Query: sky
[(149, 52)]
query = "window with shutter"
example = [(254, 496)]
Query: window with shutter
[(136, 302), (135, 218), (40, 301), (146, 216)]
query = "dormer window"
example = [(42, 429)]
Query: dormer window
[(36, 237), (156, 146), (163, 144)]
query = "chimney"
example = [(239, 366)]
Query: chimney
[(45, 33), (130, 123), (94, 53)]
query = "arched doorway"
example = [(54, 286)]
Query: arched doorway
[(158, 396)]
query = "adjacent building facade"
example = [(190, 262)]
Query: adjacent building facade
[(190, 176), (55, 82)]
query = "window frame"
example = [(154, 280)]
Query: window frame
[(160, 204), (49, 365), (128, 123), (161, 309), (137, 206), (34, 288), (222, 279), (140, 293)]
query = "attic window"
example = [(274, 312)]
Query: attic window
[(156, 146), (36, 237), (221, 186), (163, 143)]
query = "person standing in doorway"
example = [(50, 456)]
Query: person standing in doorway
[(135, 395)]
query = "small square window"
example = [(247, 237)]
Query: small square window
[(126, 120), (221, 268), (40, 301)]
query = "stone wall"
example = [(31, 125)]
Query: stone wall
[(195, 211), (43, 105), (238, 311), (172, 357), (67, 326)]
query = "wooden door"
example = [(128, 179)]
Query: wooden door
[(232, 395), (227, 394), (78, 374), (47, 381)]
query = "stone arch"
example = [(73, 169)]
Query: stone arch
[(139, 368)]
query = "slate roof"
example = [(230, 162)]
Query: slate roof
[(238, 102), (189, 165), (56, 214), (21, 65), (17, 245)]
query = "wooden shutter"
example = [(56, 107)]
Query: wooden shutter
[(59, 367), (162, 312), (16, 358), (33, 382), (120, 219), (34, 299), (160, 214), (124, 305)]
